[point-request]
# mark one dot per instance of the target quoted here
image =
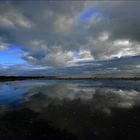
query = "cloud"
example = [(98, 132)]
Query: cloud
[(51, 32), (2, 46), (118, 67), (10, 17)]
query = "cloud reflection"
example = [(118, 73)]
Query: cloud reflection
[(103, 99)]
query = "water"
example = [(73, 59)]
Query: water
[(82, 110)]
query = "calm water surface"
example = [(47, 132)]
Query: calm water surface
[(74, 110)]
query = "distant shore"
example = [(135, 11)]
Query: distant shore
[(16, 78)]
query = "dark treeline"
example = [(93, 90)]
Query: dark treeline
[(14, 78)]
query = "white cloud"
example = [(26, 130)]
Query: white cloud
[(104, 36), (3, 47), (122, 43), (84, 55)]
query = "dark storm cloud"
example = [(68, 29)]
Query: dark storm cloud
[(121, 22)]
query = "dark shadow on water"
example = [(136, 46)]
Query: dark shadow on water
[(87, 123), (82, 124), (25, 124)]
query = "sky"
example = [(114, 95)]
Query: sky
[(69, 37)]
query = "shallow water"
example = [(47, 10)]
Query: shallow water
[(83, 110)]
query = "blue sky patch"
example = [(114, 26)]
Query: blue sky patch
[(85, 16), (11, 56)]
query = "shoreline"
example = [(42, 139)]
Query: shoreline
[(19, 78)]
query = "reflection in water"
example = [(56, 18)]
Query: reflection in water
[(70, 109)]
